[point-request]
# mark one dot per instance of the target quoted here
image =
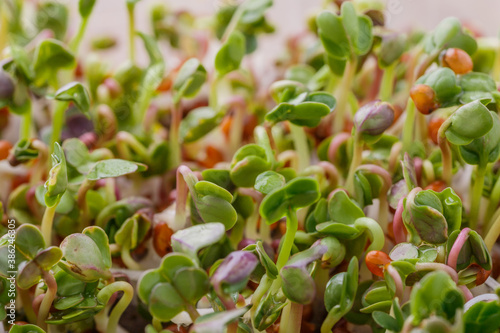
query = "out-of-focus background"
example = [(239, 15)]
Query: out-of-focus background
[(289, 16)]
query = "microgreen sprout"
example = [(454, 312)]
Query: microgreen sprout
[(350, 182)]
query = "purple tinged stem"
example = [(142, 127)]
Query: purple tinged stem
[(447, 172), (335, 144), (397, 281), (185, 179), (330, 171), (457, 247), (47, 299), (387, 183), (435, 266), (397, 223)]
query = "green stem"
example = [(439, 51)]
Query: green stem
[(124, 140), (262, 139), (25, 131), (213, 99), (342, 96), (476, 195), (251, 224), (47, 221), (493, 233), (352, 100), (82, 202), (40, 169), (4, 28), (174, 142), (496, 65), (492, 204), (383, 213), (332, 80), (447, 158), (127, 258), (27, 306), (409, 126), (387, 83), (109, 190), (421, 124), (185, 181), (131, 32), (57, 123), (428, 171), (357, 157), (101, 320), (376, 233), (291, 318), (236, 130), (77, 39), (301, 146), (286, 246), (334, 315), (237, 233), (234, 22), (157, 324), (43, 312), (105, 294), (265, 283), (394, 157), (265, 232), (192, 312)]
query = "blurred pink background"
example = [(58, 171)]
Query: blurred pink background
[(110, 18)]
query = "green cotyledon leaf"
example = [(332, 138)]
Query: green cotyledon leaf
[(340, 293), (86, 255), (57, 182), (267, 181), (193, 239), (75, 92), (423, 215), (198, 123), (443, 82), (436, 294), (133, 231), (342, 209), (50, 56), (299, 192), (213, 322), (450, 34), (231, 53), (268, 265), (345, 35), (485, 149), (190, 78), (333, 35), (114, 168), (482, 317), (298, 285), (85, 7), (248, 162), (308, 112), (233, 273), (469, 122)]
